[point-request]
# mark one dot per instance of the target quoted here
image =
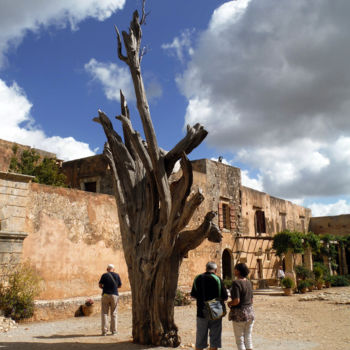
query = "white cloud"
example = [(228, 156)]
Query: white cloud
[(17, 17), (255, 183), (18, 125), (270, 82), (181, 46), (114, 78), (337, 208)]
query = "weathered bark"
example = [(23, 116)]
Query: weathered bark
[(153, 211)]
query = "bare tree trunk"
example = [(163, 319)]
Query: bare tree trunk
[(153, 210)]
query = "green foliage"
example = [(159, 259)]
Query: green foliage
[(303, 273), (45, 171), (17, 292), (321, 268), (227, 283), (182, 298), (311, 282), (313, 241), (303, 284), (288, 240), (287, 282), (339, 281), (319, 272)]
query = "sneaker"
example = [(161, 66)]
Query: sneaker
[(103, 334), (114, 333)]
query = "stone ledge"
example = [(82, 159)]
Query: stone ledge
[(13, 235), (46, 310), (15, 177)]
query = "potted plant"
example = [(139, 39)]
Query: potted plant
[(287, 284), (328, 280), (310, 284), (302, 286)]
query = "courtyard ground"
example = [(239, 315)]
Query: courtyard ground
[(319, 320)]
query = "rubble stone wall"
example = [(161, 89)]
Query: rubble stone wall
[(72, 236)]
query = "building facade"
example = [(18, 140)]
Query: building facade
[(73, 233)]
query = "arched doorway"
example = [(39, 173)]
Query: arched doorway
[(227, 264)]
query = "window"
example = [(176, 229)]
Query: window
[(260, 225), (90, 186), (226, 216), (283, 220)]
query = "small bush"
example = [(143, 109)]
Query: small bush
[(303, 273), (227, 283), (182, 298), (339, 281), (287, 282), (17, 292), (303, 285)]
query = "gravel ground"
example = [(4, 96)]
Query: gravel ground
[(288, 323)]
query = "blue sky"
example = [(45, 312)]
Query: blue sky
[(269, 80)]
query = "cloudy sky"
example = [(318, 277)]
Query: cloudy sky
[(269, 80)]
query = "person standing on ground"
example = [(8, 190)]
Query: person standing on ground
[(109, 283), (208, 286), (280, 274), (241, 305)]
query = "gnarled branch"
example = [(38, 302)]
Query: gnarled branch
[(190, 206), (191, 239), (195, 135)]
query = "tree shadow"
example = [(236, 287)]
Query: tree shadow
[(123, 345), (64, 336)]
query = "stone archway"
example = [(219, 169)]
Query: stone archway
[(227, 264)]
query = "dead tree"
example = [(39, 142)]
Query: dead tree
[(153, 210)]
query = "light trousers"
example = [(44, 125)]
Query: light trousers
[(109, 302), (243, 334)]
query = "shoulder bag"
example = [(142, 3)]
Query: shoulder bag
[(216, 308)]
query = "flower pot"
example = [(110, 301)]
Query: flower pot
[(328, 284), (303, 291), (288, 291), (319, 285), (87, 310)]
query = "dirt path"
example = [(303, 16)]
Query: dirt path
[(281, 323)]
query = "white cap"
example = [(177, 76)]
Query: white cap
[(110, 266)]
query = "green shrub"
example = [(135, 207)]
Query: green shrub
[(320, 268), (182, 298), (339, 281), (287, 282), (311, 282), (303, 273), (318, 272), (227, 283), (303, 284), (18, 290), (288, 240)]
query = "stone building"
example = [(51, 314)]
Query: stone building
[(71, 234), (7, 152), (338, 225), (247, 218)]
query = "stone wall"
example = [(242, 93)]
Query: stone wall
[(6, 153), (91, 170), (220, 183), (72, 236), (256, 247), (335, 225), (13, 203)]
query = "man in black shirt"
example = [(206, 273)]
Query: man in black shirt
[(208, 286), (109, 283)]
